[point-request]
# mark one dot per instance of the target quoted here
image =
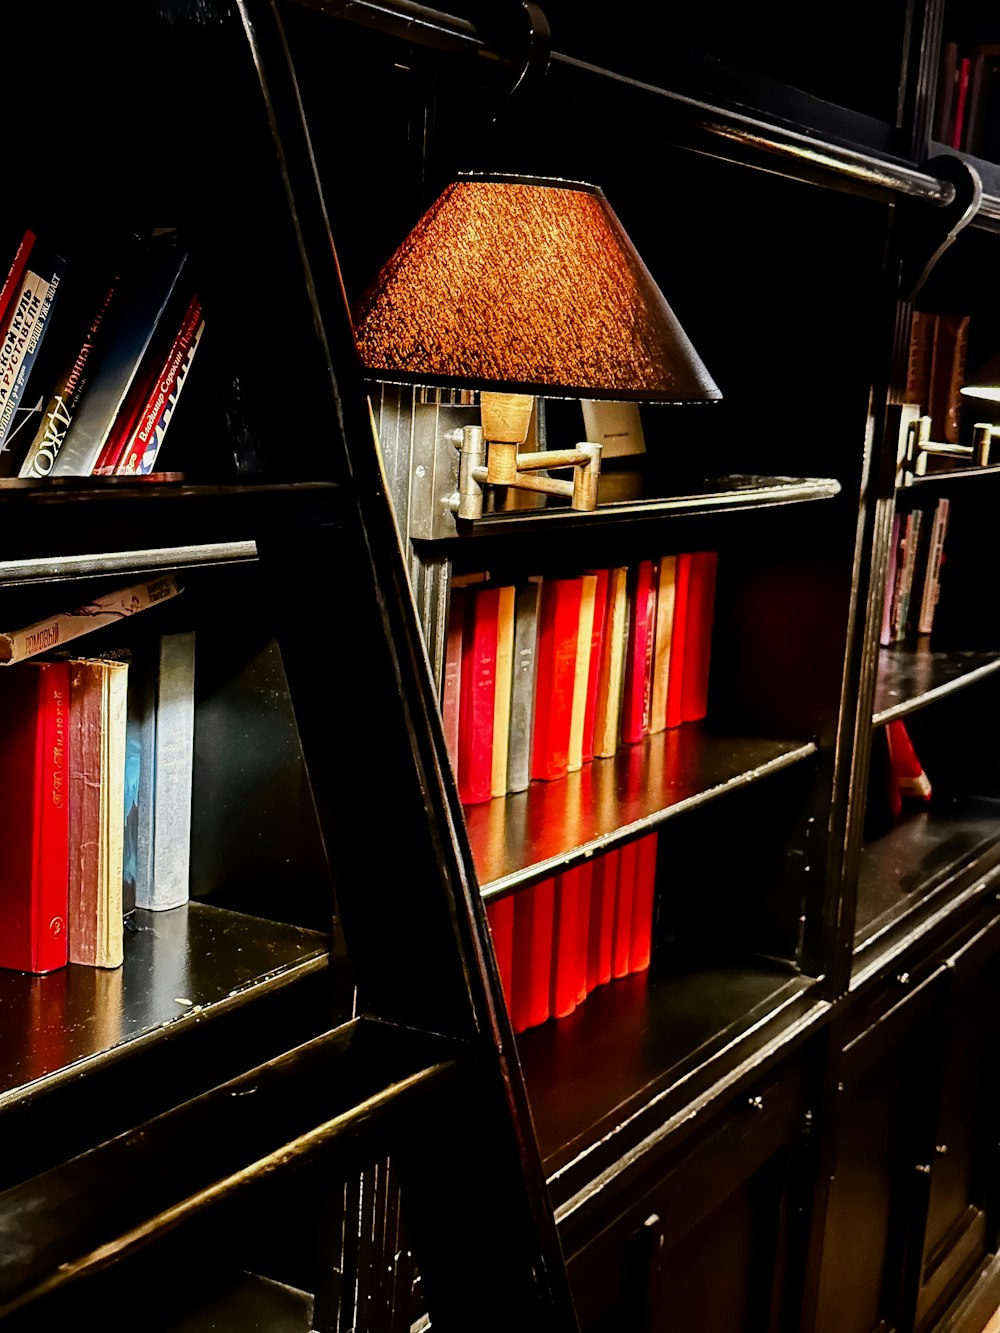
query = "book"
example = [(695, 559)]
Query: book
[(909, 772), (698, 635), (961, 96), (451, 679), (621, 943), (581, 680), (148, 289), (947, 374), (932, 577), (615, 425), (612, 674), (170, 733), (477, 695), (918, 363), (889, 590), (57, 413), (51, 632), (643, 895), (678, 644), (662, 631), (522, 686), (97, 744), (585, 878), (21, 335), (534, 908), (638, 653), (137, 795), (600, 936), (500, 915), (947, 88), (565, 944), (594, 666), (907, 558), (501, 693), (11, 285), (133, 451), (34, 754), (555, 676)]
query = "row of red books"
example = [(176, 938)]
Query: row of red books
[(544, 675), (88, 385), (559, 939)]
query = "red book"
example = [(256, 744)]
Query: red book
[(500, 915), (451, 684), (639, 653), (698, 635), (961, 99), (603, 894), (675, 683), (15, 273), (622, 934), (555, 675), (909, 772), (641, 942), (596, 647), (565, 944), (34, 878), (585, 874), (477, 696), (532, 967)]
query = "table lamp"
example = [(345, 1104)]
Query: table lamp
[(517, 287)]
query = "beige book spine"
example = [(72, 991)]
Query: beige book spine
[(585, 634), (661, 645), (501, 697)]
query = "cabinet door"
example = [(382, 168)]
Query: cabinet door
[(882, 1130), (712, 1246), (961, 1215)]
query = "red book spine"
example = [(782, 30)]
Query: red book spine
[(451, 686), (622, 941), (675, 684), (585, 875), (641, 942), (603, 893), (596, 647), (34, 880), (478, 688), (638, 655), (962, 96), (698, 635), (15, 273), (500, 915), (555, 675), (565, 944), (532, 966)]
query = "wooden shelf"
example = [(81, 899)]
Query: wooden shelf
[(615, 1059), (933, 853), (181, 967), (910, 678), (528, 835)]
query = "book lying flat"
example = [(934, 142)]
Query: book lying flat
[(43, 635)]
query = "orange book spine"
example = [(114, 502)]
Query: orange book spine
[(585, 875), (555, 676)]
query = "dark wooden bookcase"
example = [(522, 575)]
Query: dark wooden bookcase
[(789, 1122)]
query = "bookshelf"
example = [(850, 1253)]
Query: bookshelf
[(788, 1119)]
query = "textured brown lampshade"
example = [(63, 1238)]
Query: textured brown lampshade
[(985, 383), (531, 285)]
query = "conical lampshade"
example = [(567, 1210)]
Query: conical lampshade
[(529, 285), (985, 383)]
